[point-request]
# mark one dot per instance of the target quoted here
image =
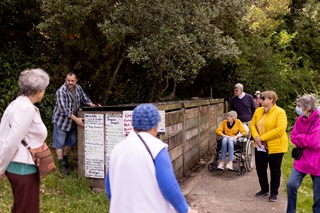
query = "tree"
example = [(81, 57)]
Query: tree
[(169, 40)]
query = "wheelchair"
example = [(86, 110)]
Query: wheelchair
[(243, 152)]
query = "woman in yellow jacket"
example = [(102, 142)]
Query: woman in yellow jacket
[(230, 130), (268, 128)]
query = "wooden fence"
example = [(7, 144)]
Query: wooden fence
[(189, 132)]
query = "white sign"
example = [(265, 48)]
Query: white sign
[(114, 133), (94, 145)]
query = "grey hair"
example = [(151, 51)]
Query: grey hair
[(32, 81), (233, 114), (239, 86), (308, 100)]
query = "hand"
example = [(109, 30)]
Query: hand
[(235, 138), (79, 121), (258, 141), (193, 211), (2, 176)]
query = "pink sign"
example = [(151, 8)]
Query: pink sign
[(127, 122)]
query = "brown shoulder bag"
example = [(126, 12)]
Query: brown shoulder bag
[(43, 159)]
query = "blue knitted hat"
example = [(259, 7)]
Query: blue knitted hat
[(145, 117)]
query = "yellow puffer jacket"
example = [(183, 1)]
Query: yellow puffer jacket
[(275, 129)]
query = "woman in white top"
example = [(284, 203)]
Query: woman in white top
[(22, 121)]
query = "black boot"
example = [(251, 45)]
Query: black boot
[(65, 158), (63, 167), (68, 165)]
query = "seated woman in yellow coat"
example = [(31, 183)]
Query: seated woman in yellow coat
[(268, 128), (229, 130)]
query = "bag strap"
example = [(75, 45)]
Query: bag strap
[(25, 144), (144, 143)]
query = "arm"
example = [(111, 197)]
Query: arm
[(242, 129), (20, 125), (107, 184), (310, 140), (253, 128), (219, 131), (168, 183)]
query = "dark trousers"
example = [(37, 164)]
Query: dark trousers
[(274, 161), (26, 192)]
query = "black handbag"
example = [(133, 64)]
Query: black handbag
[(297, 153)]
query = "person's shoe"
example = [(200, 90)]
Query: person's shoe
[(65, 158), (229, 165), (221, 165), (63, 167), (273, 198), (261, 194)]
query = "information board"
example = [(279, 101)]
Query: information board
[(94, 145), (114, 133)]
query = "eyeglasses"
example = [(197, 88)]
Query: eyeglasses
[(262, 98)]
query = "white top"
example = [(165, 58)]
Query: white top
[(21, 121), (133, 183)]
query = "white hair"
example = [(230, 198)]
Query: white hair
[(239, 86), (32, 81)]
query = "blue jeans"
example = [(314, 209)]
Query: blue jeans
[(61, 138), (227, 142), (294, 183)]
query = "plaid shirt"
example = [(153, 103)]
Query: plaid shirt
[(64, 106)]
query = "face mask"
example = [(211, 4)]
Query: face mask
[(299, 110)]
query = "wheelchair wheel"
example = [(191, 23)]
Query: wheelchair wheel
[(212, 166), (250, 161), (242, 170)]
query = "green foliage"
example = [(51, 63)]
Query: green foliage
[(168, 39), (61, 194)]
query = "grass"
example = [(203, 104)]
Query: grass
[(305, 192), (61, 194)]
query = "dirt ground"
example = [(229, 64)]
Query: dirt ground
[(226, 191)]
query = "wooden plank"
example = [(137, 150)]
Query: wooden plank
[(176, 152), (191, 123), (189, 144), (175, 141), (178, 163), (204, 134), (174, 129), (174, 117), (191, 133), (192, 113)]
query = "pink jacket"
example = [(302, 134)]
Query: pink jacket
[(309, 163)]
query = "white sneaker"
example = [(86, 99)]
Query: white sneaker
[(229, 165), (221, 165)]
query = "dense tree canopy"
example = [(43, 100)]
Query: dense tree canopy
[(142, 51)]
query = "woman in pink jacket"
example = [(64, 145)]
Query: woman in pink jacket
[(306, 135)]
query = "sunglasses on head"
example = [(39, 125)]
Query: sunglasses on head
[(262, 98)]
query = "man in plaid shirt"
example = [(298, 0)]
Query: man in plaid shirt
[(68, 100)]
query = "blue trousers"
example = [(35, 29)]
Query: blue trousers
[(227, 143), (294, 183)]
